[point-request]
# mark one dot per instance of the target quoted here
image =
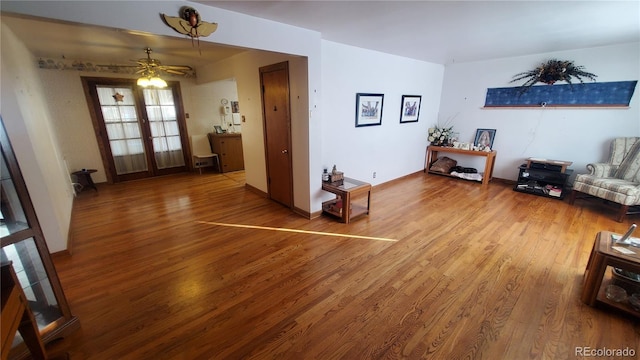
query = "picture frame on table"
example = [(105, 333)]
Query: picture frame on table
[(219, 129), (410, 108), (484, 138), (369, 109)]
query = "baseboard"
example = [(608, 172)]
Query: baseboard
[(256, 190)]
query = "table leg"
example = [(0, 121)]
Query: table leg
[(346, 208), (593, 278)]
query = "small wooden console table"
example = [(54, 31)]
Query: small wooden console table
[(342, 206), (432, 156), (602, 256)]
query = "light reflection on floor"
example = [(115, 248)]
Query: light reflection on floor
[(296, 231)]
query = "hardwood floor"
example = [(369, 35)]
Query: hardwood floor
[(460, 271)]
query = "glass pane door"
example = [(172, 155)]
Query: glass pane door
[(123, 129), (165, 132)]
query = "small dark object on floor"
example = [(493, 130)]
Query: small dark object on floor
[(465, 170)]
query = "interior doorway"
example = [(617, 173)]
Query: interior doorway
[(141, 132), (274, 80)]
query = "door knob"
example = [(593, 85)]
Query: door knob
[(285, 151)]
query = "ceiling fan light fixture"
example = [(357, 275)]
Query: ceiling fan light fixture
[(144, 81), (152, 81), (157, 82)]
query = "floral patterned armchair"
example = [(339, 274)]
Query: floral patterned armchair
[(617, 180)]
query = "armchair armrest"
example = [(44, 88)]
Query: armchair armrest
[(602, 169)]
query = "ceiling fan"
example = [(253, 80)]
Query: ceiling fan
[(149, 68)]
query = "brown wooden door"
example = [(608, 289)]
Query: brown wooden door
[(274, 80)]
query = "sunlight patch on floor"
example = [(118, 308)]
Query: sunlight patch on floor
[(296, 231)]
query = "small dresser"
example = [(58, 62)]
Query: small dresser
[(229, 150)]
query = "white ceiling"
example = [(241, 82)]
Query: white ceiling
[(435, 31), (456, 31), (99, 45)]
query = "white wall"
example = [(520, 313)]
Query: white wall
[(27, 119), (392, 150), (578, 135), (244, 67), (202, 104)]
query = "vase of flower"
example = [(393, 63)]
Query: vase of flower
[(440, 136)]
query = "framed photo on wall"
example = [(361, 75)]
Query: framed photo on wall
[(410, 108), (484, 138), (369, 109)]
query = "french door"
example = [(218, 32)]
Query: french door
[(141, 131)]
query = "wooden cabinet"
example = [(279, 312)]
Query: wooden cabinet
[(229, 150)]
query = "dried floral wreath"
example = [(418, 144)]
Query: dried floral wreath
[(552, 71)]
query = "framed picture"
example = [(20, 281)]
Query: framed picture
[(235, 107), (410, 109), (219, 129), (484, 138), (368, 109)]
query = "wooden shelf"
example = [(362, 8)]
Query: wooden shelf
[(452, 176), (602, 297), (557, 107), (432, 156)]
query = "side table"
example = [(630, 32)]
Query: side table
[(84, 178), (343, 206), (602, 256)]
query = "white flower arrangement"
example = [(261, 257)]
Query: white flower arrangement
[(440, 136)]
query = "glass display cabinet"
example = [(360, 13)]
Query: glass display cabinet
[(24, 246)]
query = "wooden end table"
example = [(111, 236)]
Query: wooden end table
[(602, 256), (342, 206)]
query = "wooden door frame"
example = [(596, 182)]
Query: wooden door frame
[(89, 84), (273, 67)]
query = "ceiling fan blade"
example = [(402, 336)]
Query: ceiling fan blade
[(175, 72), (117, 66), (175, 67)]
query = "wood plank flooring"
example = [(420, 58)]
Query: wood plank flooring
[(472, 273)]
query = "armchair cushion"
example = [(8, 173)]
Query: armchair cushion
[(629, 168), (617, 190), (602, 169)]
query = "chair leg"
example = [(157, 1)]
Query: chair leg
[(622, 212)]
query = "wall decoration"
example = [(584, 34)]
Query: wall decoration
[(410, 108), (551, 72), (484, 139), (235, 107), (610, 94), (190, 24), (369, 109)]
